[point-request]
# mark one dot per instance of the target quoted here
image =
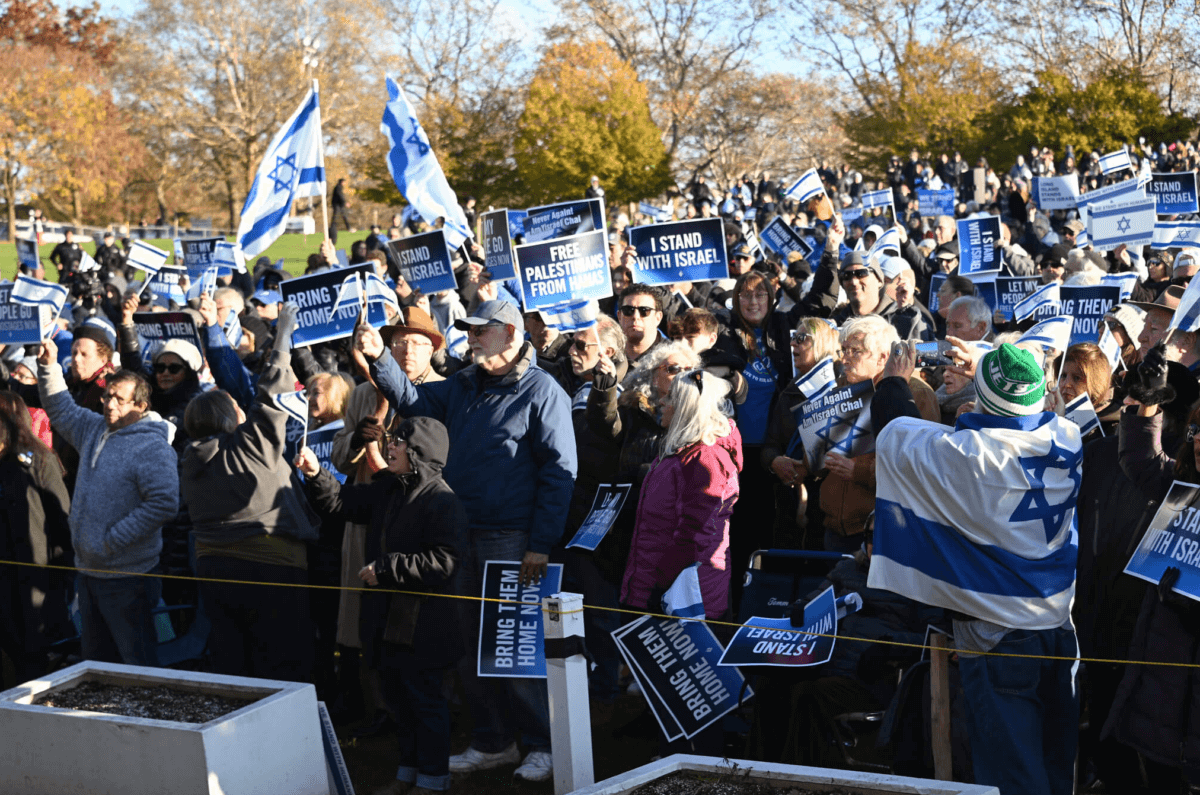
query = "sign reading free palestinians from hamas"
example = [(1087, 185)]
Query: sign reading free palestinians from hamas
[(563, 269)]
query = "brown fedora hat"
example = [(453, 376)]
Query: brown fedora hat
[(1167, 301), (415, 320)]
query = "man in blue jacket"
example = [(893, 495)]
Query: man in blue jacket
[(512, 463)]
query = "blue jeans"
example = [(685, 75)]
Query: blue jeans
[(499, 707), (117, 618), (1023, 715), (414, 697)]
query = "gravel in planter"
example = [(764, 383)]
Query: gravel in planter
[(734, 782), (156, 703)]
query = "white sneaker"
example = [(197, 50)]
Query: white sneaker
[(471, 759), (538, 766)]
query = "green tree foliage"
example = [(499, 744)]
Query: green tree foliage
[(587, 114)]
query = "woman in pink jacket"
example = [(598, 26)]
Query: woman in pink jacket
[(687, 498)]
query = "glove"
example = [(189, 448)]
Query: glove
[(1151, 387), (367, 430), (1169, 578), (604, 381), (285, 326)]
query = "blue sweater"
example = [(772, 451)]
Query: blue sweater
[(512, 459), (127, 486)]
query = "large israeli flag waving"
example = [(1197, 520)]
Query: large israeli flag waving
[(415, 168), (293, 167)]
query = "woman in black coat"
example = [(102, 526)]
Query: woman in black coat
[(416, 535), (33, 511)]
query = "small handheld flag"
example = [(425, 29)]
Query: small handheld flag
[(146, 257), (32, 292), (1043, 297), (1053, 333), (1187, 314), (87, 263), (1115, 161), (810, 192), (817, 381), (378, 292), (350, 294), (574, 315), (1110, 348), (684, 598), (1081, 412)]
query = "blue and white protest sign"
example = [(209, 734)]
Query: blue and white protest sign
[(1042, 302), (1129, 189), (675, 664), (21, 324), (1187, 314), (155, 328), (1115, 161), (415, 168), (1176, 193), (164, 284), (935, 284), (606, 505), (563, 220), (497, 245), (656, 214), (1172, 539), (516, 223), (838, 421), (320, 441), (1012, 290), (1176, 234), (978, 239), (783, 240), (1056, 193), (146, 257), (511, 638), (1125, 282), (316, 295), (936, 202), (27, 254), (985, 287), (817, 381), (1054, 333), (554, 271), (424, 262), (198, 255), (1081, 412), (1126, 222), (1088, 306), (682, 251), (775, 642), (292, 167)]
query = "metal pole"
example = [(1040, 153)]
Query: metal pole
[(566, 681)]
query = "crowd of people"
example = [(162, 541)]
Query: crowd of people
[(473, 432)]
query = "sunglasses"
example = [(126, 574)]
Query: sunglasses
[(799, 338), (582, 345), (173, 369), (644, 311), (858, 273), (672, 369)]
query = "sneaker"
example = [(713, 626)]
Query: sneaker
[(538, 766), (470, 759)]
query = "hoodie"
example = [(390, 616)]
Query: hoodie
[(126, 488)]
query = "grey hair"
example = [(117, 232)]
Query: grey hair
[(976, 308), (698, 417), (235, 298), (641, 376), (610, 334), (878, 334)]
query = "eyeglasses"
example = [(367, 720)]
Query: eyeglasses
[(754, 295), (120, 401), (799, 338), (475, 331), (859, 273), (854, 352), (1114, 325), (1192, 430), (173, 369), (415, 342), (644, 311), (672, 369), (582, 345)]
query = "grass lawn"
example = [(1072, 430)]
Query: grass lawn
[(294, 249)]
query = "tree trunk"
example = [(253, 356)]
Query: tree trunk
[(10, 198), (76, 208)]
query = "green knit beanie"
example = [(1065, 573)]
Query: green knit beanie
[(1010, 383)]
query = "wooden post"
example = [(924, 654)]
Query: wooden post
[(567, 685), (939, 708)]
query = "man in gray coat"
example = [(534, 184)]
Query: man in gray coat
[(126, 488)]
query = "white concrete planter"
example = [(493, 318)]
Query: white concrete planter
[(814, 778), (270, 746)]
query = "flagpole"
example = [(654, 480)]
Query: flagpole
[(324, 200)]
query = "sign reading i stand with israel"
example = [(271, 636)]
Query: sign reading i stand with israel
[(497, 245), (775, 642), (510, 635), (936, 202), (1056, 193), (424, 262), (1087, 305), (605, 507), (562, 220), (783, 240), (164, 283), (838, 421), (316, 295), (21, 324), (293, 167), (1176, 193), (977, 241), (415, 168), (27, 254), (1172, 539), (683, 251), (1012, 290), (1125, 222), (1177, 234), (554, 271)]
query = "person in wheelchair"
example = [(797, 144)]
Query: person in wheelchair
[(796, 710)]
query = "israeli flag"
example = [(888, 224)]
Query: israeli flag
[(378, 292), (1187, 314), (233, 329), (817, 381), (1081, 412), (574, 315), (205, 285), (1125, 281), (350, 296), (1110, 348), (658, 214), (87, 263), (33, 292), (293, 167), (415, 168), (1043, 297), (684, 599), (294, 404), (230, 255), (805, 188), (888, 241), (146, 257), (1013, 564), (1053, 333), (1115, 161), (877, 198)]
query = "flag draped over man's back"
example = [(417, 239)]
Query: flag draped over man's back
[(293, 167), (415, 168)]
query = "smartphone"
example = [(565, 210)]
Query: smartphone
[(934, 354)]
